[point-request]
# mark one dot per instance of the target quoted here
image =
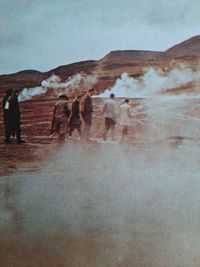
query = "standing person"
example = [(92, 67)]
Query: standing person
[(124, 118), (60, 118), (7, 115), (110, 114), (75, 120), (15, 114), (86, 113)]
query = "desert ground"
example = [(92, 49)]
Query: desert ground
[(106, 203)]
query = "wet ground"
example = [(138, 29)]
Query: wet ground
[(103, 204)]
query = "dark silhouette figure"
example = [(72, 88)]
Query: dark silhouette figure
[(15, 115), (86, 113), (7, 116), (75, 120)]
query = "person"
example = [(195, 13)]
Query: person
[(86, 113), (60, 118), (124, 118), (75, 120), (7, 116), (15, 116), (110, 114)]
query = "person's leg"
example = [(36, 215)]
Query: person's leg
[(87, 132), (78, 128), (106, 128), (71, 129), (113, 129), (87, 128), (113, 132), (62, 131), (8, 128), (61, 138), (83, 132), (122, 133), (18, 133), (84, 127), (8, 132), (125, 130)]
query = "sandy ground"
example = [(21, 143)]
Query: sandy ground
[(102, 204)]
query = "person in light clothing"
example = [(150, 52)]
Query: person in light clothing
[(124, 118), (110, 114)]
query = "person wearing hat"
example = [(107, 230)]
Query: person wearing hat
[(60, 118)]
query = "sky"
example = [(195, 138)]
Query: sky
[(44, 34)]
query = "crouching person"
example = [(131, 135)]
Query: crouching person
[(60, 118)]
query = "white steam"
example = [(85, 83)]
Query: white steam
[(151, 83), (27, 94), (142, 211), (77, 81), (80, 81)]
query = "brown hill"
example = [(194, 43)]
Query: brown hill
[(190, 47), (109, 68)]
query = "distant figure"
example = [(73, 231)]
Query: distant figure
[(60, 118), (110, 114), (15, 114), (124, 118), (86, 113), (75, 120), (7, 116)]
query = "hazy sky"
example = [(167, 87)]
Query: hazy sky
[(43, 34)]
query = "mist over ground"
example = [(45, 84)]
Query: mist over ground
[(105, 205), (108, 203)]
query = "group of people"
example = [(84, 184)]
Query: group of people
[(66, 120), (11, 116), (113, 112)]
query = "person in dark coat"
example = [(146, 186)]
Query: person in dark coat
[(75, 120), (7, 115), (60, 118), (86, 113), (15, 115)]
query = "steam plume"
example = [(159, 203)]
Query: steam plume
[(152, 83)]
